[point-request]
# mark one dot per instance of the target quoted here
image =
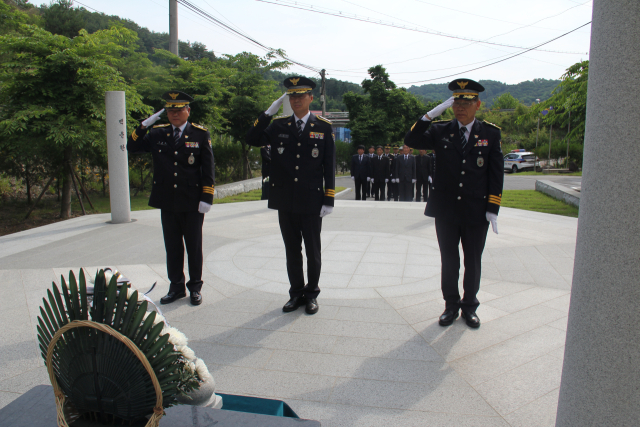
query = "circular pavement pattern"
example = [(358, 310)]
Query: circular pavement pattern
[(354, 264)]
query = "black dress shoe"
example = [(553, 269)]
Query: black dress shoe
[(472, 319), (196, 298), (448, 317), (293, 304), (172, 296), (312, 306)]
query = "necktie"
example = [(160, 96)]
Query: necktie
[(360, 159), (405, 157), (463, 140), (176, 135), (299, 123)]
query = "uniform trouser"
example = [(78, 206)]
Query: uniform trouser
[(361, 189), (390, 189), (368, 187), (295, 228), (406, 191), (182, 229), (396, 191), (473, 238), (378, 189), (424, 186)]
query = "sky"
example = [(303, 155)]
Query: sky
[(439, 41)]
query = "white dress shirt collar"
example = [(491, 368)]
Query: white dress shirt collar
[(304, 119), (184, 125), (469, 127)]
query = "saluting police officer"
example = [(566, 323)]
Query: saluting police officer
[(183, 187), (302, 183), (465, 194)]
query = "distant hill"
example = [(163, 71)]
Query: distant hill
[(527, 92)]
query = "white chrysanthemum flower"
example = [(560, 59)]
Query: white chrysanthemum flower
[(186, 352), (159, 318), (176, 337), (201, 370)]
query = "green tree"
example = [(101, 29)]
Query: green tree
[(52, 90), (504, 102), (62, 18), (248, 95), (384, 112)]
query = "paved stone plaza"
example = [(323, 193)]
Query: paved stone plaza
[(374, 355)]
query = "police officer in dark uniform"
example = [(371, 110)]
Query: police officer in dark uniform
[(302, 183), (183, 187), (395, 188), (389, 156), (423, 170), (265, 154), (466, 191), (380, 174)]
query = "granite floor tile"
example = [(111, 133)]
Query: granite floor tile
[(272, 384), (410, 300), (525, 320), (412, 396), (560, 303), (231, 355), (560, 324), (369, 315), (281, 340), (7, 397), (422, 312), (413, 349), (539, 413), (24, 382), (346, 328), (522, 385), (527, 298), (485, 364), (505, 288)]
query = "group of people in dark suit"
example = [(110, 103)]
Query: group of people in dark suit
[(397, 173), (462, 182)]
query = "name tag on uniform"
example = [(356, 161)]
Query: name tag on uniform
[(161, 143), (192, 145), (283, 135), (482, 143), (316, 135)]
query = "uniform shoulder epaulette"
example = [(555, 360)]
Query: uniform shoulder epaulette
[(324, 120), (197, 126), (492, 125), (162, 126), (281, 117)]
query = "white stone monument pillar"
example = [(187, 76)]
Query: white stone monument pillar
[(601, 374), (117, 156)]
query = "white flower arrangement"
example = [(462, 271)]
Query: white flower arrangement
[(187, 353), (201, 370), (176, 337)]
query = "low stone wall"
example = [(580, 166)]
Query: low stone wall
[(234, 188), (558, 191)]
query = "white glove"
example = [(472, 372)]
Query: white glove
[(430, 180), (275, 106), (493, 219), (266, 179), (204, 207), (413, 181), (368, 179), (386, 180), (353, 177), (151, 120), (438, 110), (326, 210), (397, 180)]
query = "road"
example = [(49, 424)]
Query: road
[(511, 182)]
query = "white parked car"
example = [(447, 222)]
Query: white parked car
[(518, 160)]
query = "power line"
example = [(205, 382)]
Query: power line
[(228, 28), (502, 60), (339, 14)]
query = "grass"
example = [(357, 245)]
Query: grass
[(532, 200), (13, 211), (527, 173)]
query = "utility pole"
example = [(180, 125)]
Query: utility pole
[(173, 27), (568, 137), (323, 92), (537, 135), (550, 130)]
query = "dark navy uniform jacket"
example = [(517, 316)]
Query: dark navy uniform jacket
[(466, 184), (361, 169), (183, 174), (301, 176)]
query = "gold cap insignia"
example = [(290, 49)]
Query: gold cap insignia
[(294, 81), (462, 84), (175, 95)]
